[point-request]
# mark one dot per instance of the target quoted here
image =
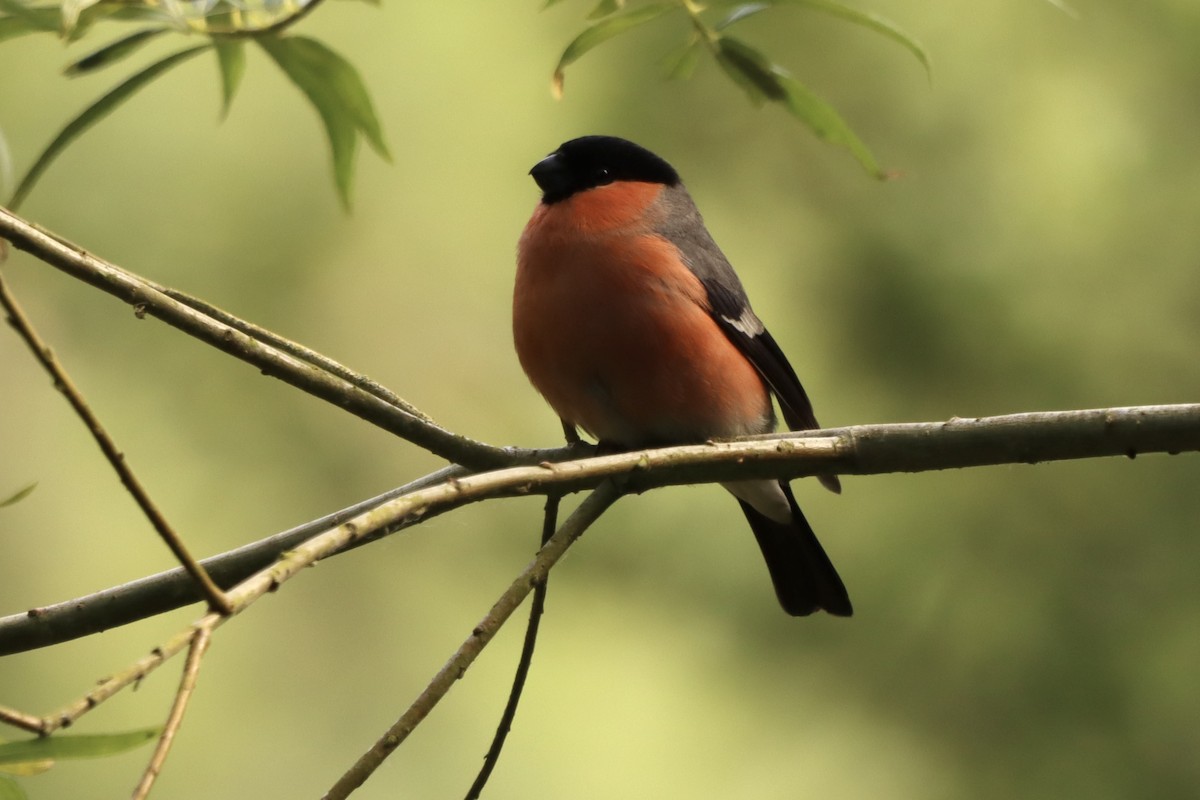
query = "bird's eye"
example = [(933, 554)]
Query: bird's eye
[(603, 175)]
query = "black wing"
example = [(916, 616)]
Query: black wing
[(738, 322), (729, 307)]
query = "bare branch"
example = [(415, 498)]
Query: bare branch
[(862, 450), (187, 684), (156, 594), (62, 381), (536, 607), (19, 719), (587, 513), (147, 298), (134, 673)]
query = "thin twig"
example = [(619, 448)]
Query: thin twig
[(587, 513), (187, 684), (41, 351), (133, 674), (536, 606), (362, 527), (148, 299), (156, 594), (20, 719)]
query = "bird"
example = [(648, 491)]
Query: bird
[(631, 323)]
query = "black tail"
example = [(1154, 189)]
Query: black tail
[(805, 580)]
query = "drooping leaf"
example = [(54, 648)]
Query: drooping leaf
[(826, 123), (71, 9), (319, 71), (750, 69), (11, 790), (739, 13), (93, 114), (12, 27), (231, 58), (601, 32), (871, 21), (681, 63), (101, 11), (606, 7), (74, 746), (113, 52), (22, 19), (20, 495), (337, 92), (24, 769)]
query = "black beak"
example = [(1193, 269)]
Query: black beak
[(552, 177)]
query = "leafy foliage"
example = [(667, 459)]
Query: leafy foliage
[(329, 82), (335, 89), (761, 78)]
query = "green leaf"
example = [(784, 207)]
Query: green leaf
[(24, 769), (127, 13), (79, 746), (231, 57), (113, 52), (11, 790), (873, 22), (763, 80), (19, 496), (826, 123), (337, 92), (48, 19), (606, 7), (750, 70), (681, 63), (601, 32), (740, 13), (71, 9), (22, 19), (93, 114)]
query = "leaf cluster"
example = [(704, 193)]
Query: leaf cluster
[(762, 79), (337, 92), (330, 83)]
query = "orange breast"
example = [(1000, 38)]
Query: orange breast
[(614, 330)]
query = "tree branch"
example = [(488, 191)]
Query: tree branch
[(167, 591), (857, 450), (147, 298), (604, 496), (187, 685), (536, 607), (62, 381)]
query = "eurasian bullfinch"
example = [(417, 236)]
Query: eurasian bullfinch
[(631, 323)]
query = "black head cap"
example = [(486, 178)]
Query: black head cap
[(591, 161)]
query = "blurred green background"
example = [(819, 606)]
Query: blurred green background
[(1020, 632)]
